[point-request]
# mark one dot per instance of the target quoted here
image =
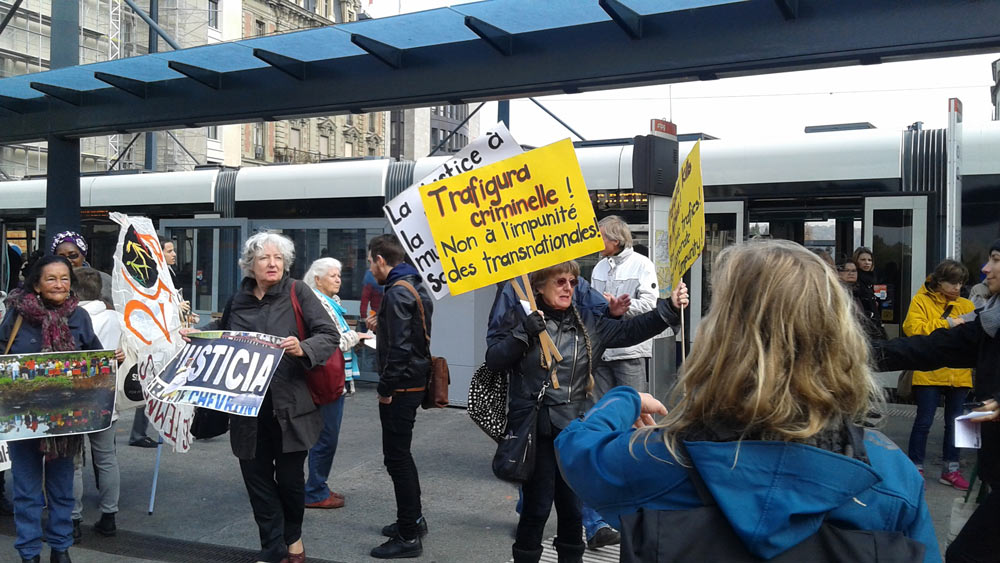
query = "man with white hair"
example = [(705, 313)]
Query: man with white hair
[(625, 274)]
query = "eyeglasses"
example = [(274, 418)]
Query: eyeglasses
[(563, 282), (71, 255)]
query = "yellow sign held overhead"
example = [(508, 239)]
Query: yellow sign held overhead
[(513, 217), (686, 220)]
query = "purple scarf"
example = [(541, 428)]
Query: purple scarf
[(56, 336)]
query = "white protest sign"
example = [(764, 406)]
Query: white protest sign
[(406, 211)]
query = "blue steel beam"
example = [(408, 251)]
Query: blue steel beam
[(435, 57)]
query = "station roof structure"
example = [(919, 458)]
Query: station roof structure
[(487, 50)]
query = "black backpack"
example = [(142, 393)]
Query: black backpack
[(704, 534)]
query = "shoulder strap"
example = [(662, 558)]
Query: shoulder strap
[(13, 333), (420, 305), (947, 311), (297, 308)]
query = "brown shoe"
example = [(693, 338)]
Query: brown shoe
[(329, 502), (295, 558), (338, 495)]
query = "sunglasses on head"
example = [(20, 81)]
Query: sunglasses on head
[(562, 282)]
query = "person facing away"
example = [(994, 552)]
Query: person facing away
[(403, 356), (937, 304), (766, 411)]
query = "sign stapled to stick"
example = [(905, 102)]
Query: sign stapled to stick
[(406, 211), (144, 295), (686, 220), (222, 370), (512, 217), (56, 393)]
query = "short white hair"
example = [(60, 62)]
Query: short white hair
[(321, 267), (616, 229), (255, 244)]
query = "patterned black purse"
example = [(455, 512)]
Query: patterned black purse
[(487, 405)]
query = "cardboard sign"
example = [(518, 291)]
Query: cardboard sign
[(686, 222), (222, 370), (406, 211), (56, 393), (513, 217), (144, 295)]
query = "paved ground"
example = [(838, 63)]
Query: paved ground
[(202, 513)]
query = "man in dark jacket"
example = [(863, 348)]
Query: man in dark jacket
[(403, 328), (973, 344)]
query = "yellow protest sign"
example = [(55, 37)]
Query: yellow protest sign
[(512, 217), (686, 220)]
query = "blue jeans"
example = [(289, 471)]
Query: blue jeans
[(321, 454), (926, 397), (26, 468), (592, 521)]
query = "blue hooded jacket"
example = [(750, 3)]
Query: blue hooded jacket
[(774, 494)]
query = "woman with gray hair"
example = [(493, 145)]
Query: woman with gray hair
[(324, 279), (272, 447)]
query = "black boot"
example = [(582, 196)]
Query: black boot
[(35, 559), (398, 548), (60, 557), (106, 525), (570, 552), (526, 555)]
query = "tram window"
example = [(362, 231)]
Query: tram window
[(892, 244), (821, 235), (720, 232), (760, 229)]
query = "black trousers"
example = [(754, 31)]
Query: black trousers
[(276, 484), (397, 433), (545, 487)]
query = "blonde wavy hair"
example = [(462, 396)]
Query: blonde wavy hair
[(780, 355)]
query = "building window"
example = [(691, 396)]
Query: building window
[(348, 150), (295, 139), (212, 132), (324, 145), (371, 122), (258, 141), (213, 14), (350, 119), (259, 28)]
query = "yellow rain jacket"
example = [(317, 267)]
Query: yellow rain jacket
[(924, 317)]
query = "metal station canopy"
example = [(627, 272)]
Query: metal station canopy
[(482, 51)]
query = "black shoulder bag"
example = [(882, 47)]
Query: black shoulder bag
[(515, 457)]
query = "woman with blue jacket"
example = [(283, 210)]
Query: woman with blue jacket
[(766, 412)]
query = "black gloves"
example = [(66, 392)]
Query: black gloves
[(534, 324)]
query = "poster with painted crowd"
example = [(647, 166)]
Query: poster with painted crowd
[(56, 393), (406, 211), (145, 298), (221, 370)]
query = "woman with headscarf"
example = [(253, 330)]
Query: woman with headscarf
[(71, 246), (51, 321), (324, 278)]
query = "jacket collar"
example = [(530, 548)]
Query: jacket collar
[(400, 271), (618, 259), (248, 284)]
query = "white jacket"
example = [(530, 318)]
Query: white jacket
[(108, 331), (628, 272)]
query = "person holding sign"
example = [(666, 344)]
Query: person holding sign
[(767, 417), (581, 338), (45, 317), (272, 447)]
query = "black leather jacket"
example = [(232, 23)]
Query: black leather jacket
[(404, 361), (516, 352)]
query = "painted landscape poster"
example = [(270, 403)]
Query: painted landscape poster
[(56, 394)]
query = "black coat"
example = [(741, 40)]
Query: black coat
[(516, 352), (288, 394), (964, 346), (404, 360)]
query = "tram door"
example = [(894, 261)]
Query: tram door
[(206, 273), (895, 228)]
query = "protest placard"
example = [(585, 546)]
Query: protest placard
[(144, 296), (686, 222), (513, 217), (221, 370), (406, 211), (56, 393), (4, 457)]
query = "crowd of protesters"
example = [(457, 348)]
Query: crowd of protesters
[(764, 446)]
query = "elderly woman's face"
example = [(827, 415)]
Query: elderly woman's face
[(71, 252), (557, 291), (54, 283), (268, 265), (329, 283)]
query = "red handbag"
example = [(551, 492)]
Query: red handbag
[(326, 382)]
